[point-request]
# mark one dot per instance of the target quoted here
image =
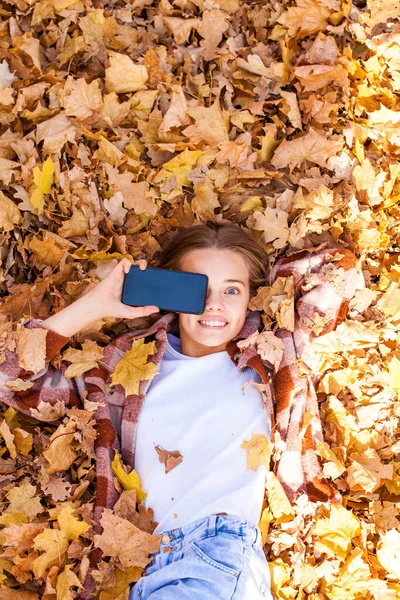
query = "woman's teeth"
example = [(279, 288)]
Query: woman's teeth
[(219, 324)]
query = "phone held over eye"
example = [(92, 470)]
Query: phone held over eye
[(177, 291)]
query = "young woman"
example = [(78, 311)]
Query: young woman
[(200, 403)]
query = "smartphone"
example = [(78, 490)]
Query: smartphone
[(177, 291)]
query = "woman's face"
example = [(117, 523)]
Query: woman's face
[(226, 301)]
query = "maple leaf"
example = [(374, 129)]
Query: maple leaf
[(313, 147), (210, 125), (123, 75), (130, 481), (388, 552), (335, 532), (122, 539), (258, 451), (60, 454), (44, 179), (55, 542), (81, 99), (278, 501), (65, 581), (82, 360), (10, 214), (32, 349), (23, 499), (134, 367)]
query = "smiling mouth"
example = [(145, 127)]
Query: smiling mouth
[(217, 327)]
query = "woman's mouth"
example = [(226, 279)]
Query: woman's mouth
[(213, 324)]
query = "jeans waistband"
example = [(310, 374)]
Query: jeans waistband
[(209, 526)]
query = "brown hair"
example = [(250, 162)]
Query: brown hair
[(224, 235)]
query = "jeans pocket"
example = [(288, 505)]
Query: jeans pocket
[(222, 551)]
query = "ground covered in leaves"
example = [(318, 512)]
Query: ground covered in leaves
[(121, 123)]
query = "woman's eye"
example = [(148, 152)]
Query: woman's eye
[(233, 289)]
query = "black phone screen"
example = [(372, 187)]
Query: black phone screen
[(177, 291)]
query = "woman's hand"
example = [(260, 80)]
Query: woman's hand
[(106, 296), (104, 300)]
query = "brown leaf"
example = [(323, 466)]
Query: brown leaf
[(125, 541)]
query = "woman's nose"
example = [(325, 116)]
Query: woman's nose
[(214, 301)]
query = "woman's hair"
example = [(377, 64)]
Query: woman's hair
[(222, 236)]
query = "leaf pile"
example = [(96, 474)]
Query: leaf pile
[(121, 123)]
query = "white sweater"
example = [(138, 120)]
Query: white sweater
[(197, 406)]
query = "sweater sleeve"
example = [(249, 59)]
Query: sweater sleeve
[(49, 385), (325, 279)]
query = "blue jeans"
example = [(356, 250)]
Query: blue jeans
[(219, 557)]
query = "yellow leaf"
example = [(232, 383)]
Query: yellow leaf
[(258, 451), (393, 377), (123, 581), (82, 360), (335, 533), (278, 500), (9, 439), (23, 441), (388, 552), (23, 500), (130, 481), (54, 542), (123, 75), (9, 213), (32, 349), (60, 454), (43, 179), (134, 367), (65, 581), (15, 518)]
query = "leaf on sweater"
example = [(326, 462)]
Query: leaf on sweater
[(134, 367), (130, 481), (82, 360), (258, 451), (126, 542), (32, 349), (170, 459), (60, 454)]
